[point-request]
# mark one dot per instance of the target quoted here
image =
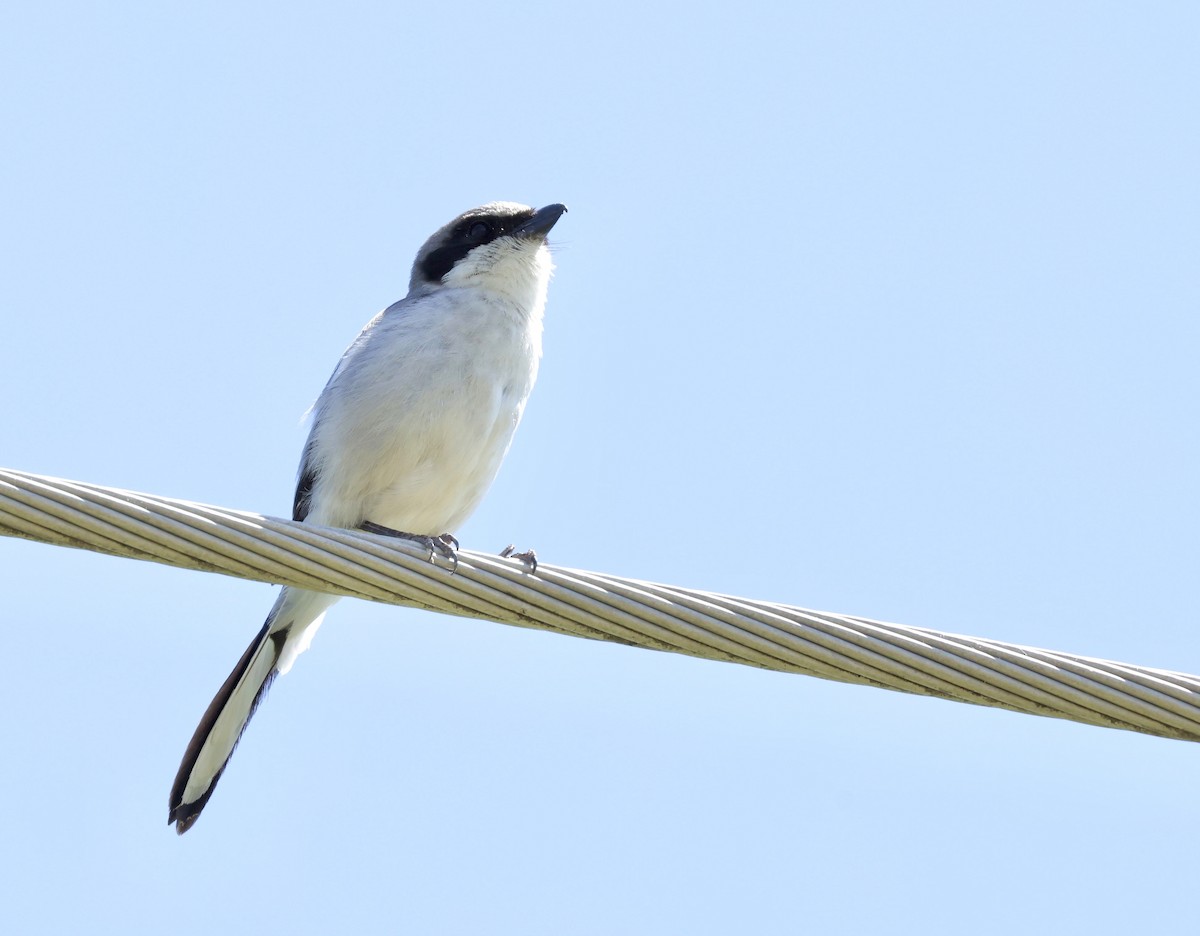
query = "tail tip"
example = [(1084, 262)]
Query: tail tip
[(184, 816)]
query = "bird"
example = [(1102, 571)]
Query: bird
[(405, 439)]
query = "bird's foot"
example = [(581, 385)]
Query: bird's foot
[(528, 558), (444, 545)]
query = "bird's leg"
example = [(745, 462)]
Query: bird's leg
[(444, 545), (528, 558)]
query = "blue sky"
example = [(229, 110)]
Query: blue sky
[(875, 308)]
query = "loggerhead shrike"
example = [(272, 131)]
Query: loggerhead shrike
[(406, 437)]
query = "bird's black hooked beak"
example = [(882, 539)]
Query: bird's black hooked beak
[(542, 221)]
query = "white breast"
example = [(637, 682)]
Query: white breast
[(416, 421)]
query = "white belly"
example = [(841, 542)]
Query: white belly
[(413, 437)]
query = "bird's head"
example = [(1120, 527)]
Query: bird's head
[(500, 246)]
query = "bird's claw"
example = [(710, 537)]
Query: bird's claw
[(447, 547), (528, 558), (444, 545)]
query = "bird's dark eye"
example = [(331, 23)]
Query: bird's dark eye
[(480, 231)]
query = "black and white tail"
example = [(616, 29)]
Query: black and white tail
[(287, 632)]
